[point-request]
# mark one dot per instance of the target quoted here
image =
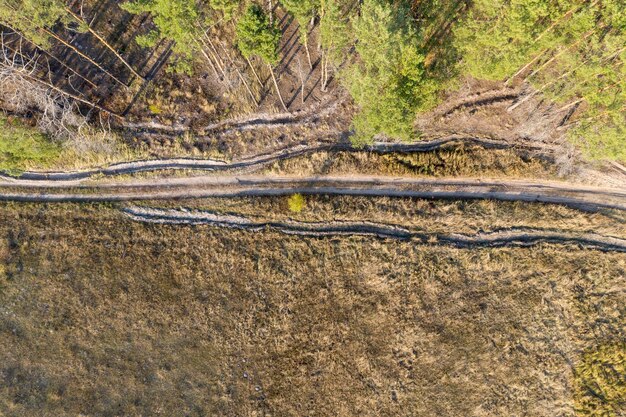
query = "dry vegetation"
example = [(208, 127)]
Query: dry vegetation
[(469, 161), (100, 316), (462, 161), (436, 216), (59, 136)]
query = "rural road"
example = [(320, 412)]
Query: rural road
[(57, 190)]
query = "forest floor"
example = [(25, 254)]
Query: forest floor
[(209, 115)]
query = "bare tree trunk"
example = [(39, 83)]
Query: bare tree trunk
[(55, 36), (580, 100), (308, 54), (254, 71), (301, 75), (241, 77), (63, 64), (91, 61), (74, 97), (210, 61), (573, 103), (219, 64), (280, 96), (36, 80), (325, 75), (245, 83), (215, 54), (525, 67), (546, 85), (584, 119), (557, 21), (559, 54), (270, 6), (105, 43)]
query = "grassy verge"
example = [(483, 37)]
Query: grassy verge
[(472, 162), (437, 216), (24, 147), (442, 163)]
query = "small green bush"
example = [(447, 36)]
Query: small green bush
[(296, 203), (22, 147)]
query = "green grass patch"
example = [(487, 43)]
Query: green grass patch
[(601, 382), (22, 147)]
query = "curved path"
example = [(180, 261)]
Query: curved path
[(243, 123), (574, 195), (508, 237), (259, 161)]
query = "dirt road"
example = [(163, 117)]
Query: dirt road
[(574, 195)]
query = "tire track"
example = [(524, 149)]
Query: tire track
[(500, 238), (261, 160), (254, 121), (480, 100)]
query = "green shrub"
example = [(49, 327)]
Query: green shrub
[(296, 203), (22, 147)]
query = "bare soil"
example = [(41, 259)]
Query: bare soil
[(553, 192)]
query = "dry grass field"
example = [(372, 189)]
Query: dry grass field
[(466, 161), (101, 316)]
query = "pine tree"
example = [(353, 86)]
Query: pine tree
[(175, 20), (389, 82), (334, 37), (257, 36), (31, 16), (228, 8), (571, 52)]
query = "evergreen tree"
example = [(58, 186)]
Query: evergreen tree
[(257, 36), (228, 8), (334, 37), (572, 52), (176, 20), (30, 17), (389, 82)]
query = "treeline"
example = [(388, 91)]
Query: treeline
[(375, 48), (571, 51), (395, 57)]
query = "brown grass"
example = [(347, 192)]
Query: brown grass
[(447, 162), (105, 317), (436, 216)]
